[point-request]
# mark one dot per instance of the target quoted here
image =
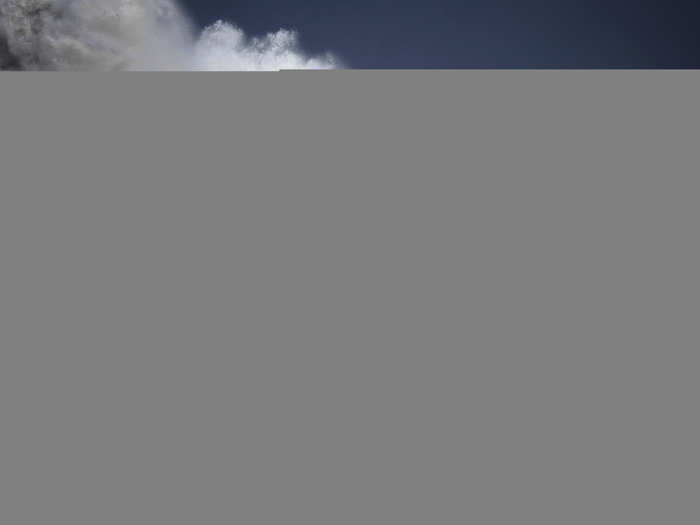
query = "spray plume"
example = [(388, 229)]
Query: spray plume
[(136, 35)]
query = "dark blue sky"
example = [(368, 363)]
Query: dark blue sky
[(478, 33)]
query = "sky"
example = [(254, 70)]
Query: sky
[(478, 33), (362, 34)]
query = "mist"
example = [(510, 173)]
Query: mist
[(137, 35)]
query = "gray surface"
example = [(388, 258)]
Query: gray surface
[(349, 298)]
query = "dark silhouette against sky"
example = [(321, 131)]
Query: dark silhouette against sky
[(477, 33)]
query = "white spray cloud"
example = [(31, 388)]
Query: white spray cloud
[(136, 35)]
